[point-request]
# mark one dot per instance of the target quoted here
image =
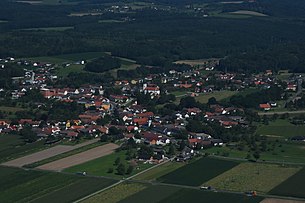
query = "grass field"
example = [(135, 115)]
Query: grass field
[(17, 185), (198, 172), (176, 195), (292, 187), (250, 13), (252, 176), (159, 171), (281, 128), (60, 156), (100, 166), (49, 29), (64, 71), (282, 152), (116, 193), (11, 109), (219, 95), (12, 146)]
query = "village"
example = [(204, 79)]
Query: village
[(125, 113)]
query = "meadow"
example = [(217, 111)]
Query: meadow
[(17, 185), (292, 187), (12, 146), (100, 166), (252, 176), (198, 172)]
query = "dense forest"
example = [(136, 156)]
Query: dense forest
[(160, 36)]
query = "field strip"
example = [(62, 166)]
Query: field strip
[(45, 154), (273, 200), (79, 158)]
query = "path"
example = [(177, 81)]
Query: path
[(45, 154)]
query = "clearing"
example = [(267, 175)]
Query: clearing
[(80, 158), (252, 176)]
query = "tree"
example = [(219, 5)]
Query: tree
[(121, 169), (104, 138), (212, 101), (129, 169), (117, 161), (256, 155), (145, 152), (171, 150), (28, 135), (110, 170), (182, 145)]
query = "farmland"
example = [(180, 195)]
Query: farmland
[(189, 175), (251, 176), (116, 193), (101, 166), (159, 171), (12, 146), (292, 187), (175, 194), (18, 185)]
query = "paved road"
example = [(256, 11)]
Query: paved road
[(45, 154), (80, 158)]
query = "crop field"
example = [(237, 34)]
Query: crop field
[(12, 146), (17, 185), (116, 193), (159, 171), (177, 195), (100, 166), (281, 128), (252, 176), (198, 172), (292, 187)]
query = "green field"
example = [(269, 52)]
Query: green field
[(74, 68), (100, 166), (292, 187), (198, 172), (176, 195), (219, 95), (11, 109), (116, 193), (282, 152), (281, 128), (12, 146), (252, 176), (49, 29), (159, 171), (17, 185)]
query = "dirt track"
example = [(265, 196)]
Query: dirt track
[(273, 200), (44, 154), (79, 158)]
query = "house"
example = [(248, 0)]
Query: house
[(155, 138), (151, 89), (265, 107)]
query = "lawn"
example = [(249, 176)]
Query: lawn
[(100, 166), (292, 187), (17, 185), (281, 128), (198, 172), (219, 95), (252, 176), (12, 146), (166, 194), (116, 193), (75, 68), (159, 171)]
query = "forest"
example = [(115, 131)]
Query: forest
[(161, 36)]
